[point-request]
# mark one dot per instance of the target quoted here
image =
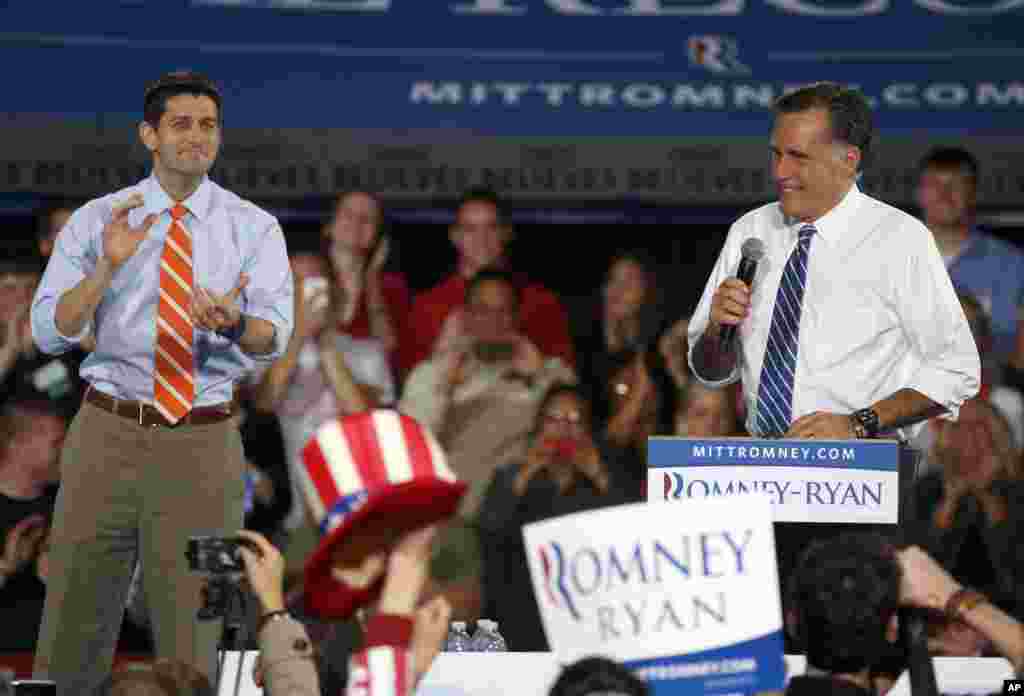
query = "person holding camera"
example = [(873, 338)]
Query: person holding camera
[(564, 471)]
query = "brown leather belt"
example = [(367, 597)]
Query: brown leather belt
[(147, 415)]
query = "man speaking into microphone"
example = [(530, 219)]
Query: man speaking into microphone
[(849, 326)]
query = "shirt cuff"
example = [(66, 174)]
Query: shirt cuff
[(730, 378), (282, 333), (935, 384), (389, 629)]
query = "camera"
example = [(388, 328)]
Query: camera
[(33, 687), (214, 555), (219, 558)]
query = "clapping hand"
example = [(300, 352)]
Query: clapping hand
[(215, 312), (120, 240)]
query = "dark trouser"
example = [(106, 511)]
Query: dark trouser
[(130, 491)]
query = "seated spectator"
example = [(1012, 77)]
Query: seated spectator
[(844, 597), (969, 513), (564, 471), (627, 319), (373, 298), (597, 676), (322, 374), (31, 434), (481, 235), (480, 396)]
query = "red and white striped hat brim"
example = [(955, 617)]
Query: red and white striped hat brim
[(374, 462)]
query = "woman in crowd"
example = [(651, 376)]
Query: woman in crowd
[(626, 323), (564, 471), (324, 373), (372, 298)]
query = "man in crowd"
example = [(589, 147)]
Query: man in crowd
[(481, 235), (31, 433), (988, 268)]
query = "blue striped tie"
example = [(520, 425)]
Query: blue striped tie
[(775, 392)]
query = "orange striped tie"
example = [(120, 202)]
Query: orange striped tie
[(174, 387)]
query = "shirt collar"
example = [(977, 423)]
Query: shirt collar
[(830, 225), (158, 202)]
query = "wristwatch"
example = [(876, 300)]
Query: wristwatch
[(865, 423)]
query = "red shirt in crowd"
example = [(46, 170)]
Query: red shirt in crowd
[(543, 319)]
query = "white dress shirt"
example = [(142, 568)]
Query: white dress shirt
[(879, 311)]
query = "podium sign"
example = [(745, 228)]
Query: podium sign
[(827, 481), (688, 598)]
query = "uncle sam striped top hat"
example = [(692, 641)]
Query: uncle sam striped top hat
[(369, 478)]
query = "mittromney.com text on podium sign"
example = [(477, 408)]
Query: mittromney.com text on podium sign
[(828, 481)]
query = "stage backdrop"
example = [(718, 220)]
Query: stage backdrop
[(542, 99)]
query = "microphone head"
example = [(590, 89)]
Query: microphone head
[(752, 249)]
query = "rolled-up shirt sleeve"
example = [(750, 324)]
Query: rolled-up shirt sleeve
[(74, 258), (270, 293), (949, 369), (728, 259)]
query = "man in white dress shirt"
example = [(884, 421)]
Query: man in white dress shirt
[(871, 335)]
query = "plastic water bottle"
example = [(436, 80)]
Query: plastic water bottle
[(458, 638), (486, 638)]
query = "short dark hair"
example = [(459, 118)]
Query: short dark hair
[(844, 592), (482, 195), (848, 111), (498, 275), (597, 675), (947, 158), (173, 84)]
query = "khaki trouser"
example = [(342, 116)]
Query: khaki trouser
[(129, 491)]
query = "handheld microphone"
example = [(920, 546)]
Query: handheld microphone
[(751, 252)]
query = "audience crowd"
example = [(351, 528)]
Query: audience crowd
[(543, 413)]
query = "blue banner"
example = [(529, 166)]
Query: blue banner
[(869, 455), (523, 68)]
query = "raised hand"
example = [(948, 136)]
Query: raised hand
[(588, 462), (429, 631), (120, 240), (22, 544), (215, 312), (539, 456)]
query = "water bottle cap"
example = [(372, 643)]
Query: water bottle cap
[(459, 625)]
